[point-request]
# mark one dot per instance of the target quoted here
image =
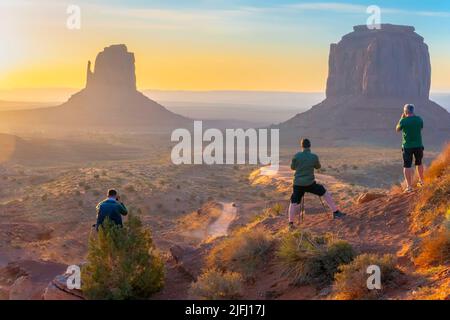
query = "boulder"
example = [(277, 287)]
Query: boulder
[(369, 196), (57, 290), (22, 289), (27, 279), (190, 260)]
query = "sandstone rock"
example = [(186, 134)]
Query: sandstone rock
[(190, 260), (4, 293), (27, 279), (22, 289), (369, 196), (57, 290), (114, 68), (393, 61), (372, 75)]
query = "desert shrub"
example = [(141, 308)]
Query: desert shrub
[(351, 280), (435, 250), (122, 263), (214, 284), (244, 252), (308, 259)]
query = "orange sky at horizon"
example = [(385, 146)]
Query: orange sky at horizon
[(174, 50)]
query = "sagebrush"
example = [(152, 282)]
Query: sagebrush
[(215, 284), (308, 259), (244, 252), (351, 280), (122, 263)]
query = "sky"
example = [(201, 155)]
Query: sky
[(262, 45)]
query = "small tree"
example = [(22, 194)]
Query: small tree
[(122, 263)]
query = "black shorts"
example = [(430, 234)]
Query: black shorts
[(408, 154), (299, 191)]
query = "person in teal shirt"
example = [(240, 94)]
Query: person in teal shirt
[(411, 127), (304, 163)]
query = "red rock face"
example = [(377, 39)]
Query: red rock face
[(393, 62), (114, 67), (372, 75)]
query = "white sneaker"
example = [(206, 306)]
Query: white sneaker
[(408, 190)]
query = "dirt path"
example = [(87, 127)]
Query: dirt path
[(221, 225), (376, 226)]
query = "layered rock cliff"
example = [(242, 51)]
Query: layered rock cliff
[(393, 62), (114, 68)]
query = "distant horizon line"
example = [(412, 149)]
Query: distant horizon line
[(191, 90)]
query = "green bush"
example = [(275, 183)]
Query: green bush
[(307, 259), (122, 263), (244, 252), (351, 280), (217, 285)]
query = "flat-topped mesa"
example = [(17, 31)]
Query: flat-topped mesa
[(389, 62), (114, 68)]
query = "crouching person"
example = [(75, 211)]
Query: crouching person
[(112, 209), (304, 163)]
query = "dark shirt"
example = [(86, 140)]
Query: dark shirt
[(112, 209)]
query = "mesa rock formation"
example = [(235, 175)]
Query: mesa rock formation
[(392, 62), (372, 74), (110, 101), (114, 68)]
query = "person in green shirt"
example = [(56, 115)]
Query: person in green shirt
[(411, 127), (304, 163)]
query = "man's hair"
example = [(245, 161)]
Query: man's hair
[(409, 108), (305, 143), (112, 193)]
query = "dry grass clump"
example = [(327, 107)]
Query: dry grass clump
[(434, 200), (440, 165), (431, 215), (309, 259), (351, 280), (245, 252), (214, 284), (435, 250)]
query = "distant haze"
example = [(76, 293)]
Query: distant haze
[(258, 107)]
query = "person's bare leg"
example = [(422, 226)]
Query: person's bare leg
[(293, 210), (408, 173), (420, 172), (330, 202)]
